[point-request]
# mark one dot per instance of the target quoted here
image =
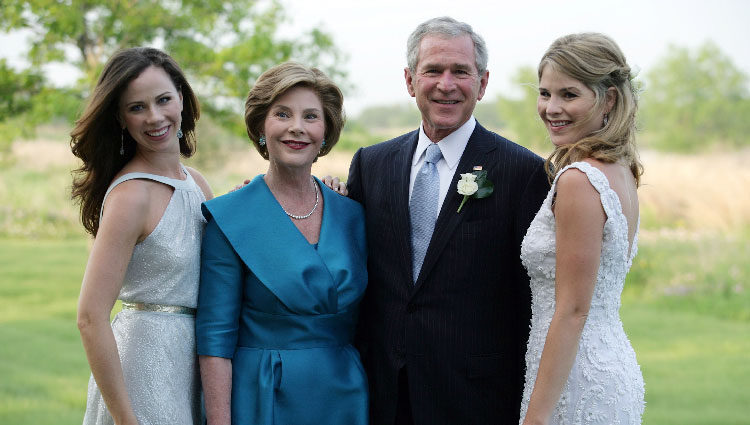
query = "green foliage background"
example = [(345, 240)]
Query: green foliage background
[(223, 46), (686, 306)]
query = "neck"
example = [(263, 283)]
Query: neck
[(289, 180), (165, 164)]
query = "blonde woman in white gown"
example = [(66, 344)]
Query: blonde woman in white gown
[(580, 366)]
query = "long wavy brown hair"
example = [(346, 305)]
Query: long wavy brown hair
[(98, 135), (595, 60)]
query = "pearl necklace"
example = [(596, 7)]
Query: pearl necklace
[(302, 217)]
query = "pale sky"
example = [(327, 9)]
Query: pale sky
[(373, 34), (517, 33)]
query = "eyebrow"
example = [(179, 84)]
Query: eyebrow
[(156, 97), (304, 110), (571, 88), (461, 66)]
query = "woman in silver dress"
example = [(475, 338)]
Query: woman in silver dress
[(142, 206)]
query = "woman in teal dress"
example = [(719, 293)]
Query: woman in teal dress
[(283, 268)]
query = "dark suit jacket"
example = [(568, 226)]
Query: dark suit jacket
[(461, 330)]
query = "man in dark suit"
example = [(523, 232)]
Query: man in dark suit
[(445, 319)]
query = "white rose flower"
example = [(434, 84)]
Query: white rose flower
[(467, 186), (469, 176)]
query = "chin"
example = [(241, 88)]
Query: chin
[(560, 141)]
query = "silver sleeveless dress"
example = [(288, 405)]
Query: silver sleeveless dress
[(605, 385), (157, 348)]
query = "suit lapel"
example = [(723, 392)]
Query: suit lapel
[(475, 154)]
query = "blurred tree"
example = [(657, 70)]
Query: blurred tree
[(520, 115), (398, 116), (16, 90), (486, 112), (695, 100), (222, 45), (17, 93)]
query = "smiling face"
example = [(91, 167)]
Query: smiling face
[(446, 84), (567, 107), (294, 128), (151, 110)]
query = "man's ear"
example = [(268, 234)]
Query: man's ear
[(483, 79), (409, 82)]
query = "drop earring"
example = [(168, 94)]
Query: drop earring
[(179, 133), (606, 120), (262, 140), (122, 142)]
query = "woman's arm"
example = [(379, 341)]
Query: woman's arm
[(579, 220), (217, 320), (121, 226), (216, 379)]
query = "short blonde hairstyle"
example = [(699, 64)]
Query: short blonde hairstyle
[(596, 61), (276, 81)]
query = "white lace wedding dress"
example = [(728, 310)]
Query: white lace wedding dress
[(605, 385)]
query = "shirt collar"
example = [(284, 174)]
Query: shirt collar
[(452, 146)]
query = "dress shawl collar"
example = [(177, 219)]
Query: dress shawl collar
[(273, 248)]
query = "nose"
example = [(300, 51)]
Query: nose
[(296, 125), (154, 115), (446, 81), (553, 106)]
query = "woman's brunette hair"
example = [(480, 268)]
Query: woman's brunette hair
[(98, 135)]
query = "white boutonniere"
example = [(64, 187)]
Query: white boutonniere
[(474, 185)]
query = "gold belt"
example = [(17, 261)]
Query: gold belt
[(161, 308)]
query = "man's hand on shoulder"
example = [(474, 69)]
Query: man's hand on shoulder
[(241, 185), (336, 185)]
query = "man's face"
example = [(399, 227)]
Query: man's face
[(446, 84)]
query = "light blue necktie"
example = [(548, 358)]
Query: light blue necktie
[(423, 206)]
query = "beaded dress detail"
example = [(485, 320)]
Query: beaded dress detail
[(605, 385), (157, 349)]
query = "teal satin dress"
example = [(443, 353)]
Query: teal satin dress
[(283, 310)]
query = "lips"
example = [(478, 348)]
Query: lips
[(158, 132), (446, 102), (558, 125), (294, 144)]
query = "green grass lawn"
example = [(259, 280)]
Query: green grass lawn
[(42, 363), (696, 365)]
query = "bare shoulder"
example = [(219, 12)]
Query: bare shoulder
[(126, 210), (576, 195), (574, 180), (129, 197), (201, 182)]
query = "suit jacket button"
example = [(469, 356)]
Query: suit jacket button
[(411, 308)]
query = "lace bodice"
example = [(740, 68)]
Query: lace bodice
[(605, 385)]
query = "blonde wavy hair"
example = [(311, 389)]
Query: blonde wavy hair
[(595, 60)]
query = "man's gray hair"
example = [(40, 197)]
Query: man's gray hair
[(446, 27)]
